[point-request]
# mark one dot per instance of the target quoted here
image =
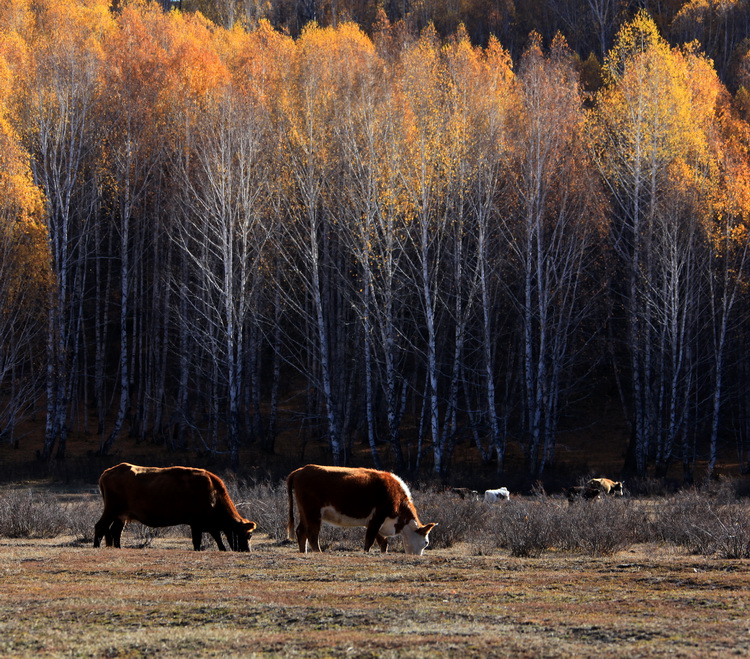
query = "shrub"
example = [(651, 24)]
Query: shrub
[(530, 526), (526, 528), (266, 505), (458, 520), (80, 518), (732, 532), (26, 514), (705, 524), (600, 527), (712, 521)]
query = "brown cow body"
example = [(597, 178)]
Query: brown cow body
[(169, 496), (340, 496), (594, 489)]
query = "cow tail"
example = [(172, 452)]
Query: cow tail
[(290, 524)]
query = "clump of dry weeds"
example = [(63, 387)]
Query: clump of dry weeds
[(25, 513), (712, 521), (704, 524)]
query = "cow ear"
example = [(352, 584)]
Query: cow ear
[(424, 530), (250, 526)]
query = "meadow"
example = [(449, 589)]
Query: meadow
[(647, 576)]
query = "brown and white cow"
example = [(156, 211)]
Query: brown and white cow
[(595, 489), (500, 494), (605, 486), (465, 493), (169, 496), (348, 497)]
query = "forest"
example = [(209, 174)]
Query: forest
[(405, 225)]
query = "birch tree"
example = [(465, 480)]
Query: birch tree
[(646, 130), (224, 241), (24, 274), (61, 136), (550, 234), (327, 67), (726, 214), (427, 170), (361, 132), (132, 113)]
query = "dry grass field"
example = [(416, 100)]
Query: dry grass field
[(61, 598), (534, 577)]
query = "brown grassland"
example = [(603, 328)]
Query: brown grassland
[(473, 594), (60, 597)]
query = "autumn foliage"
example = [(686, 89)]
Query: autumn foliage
[(401, 234)]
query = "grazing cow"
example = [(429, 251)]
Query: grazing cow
[(166, 497), (465, 492), (594, 489), (578, 492), (605, 486), (493, 496), (340, 496)]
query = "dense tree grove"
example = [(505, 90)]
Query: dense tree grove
[(446, 224)]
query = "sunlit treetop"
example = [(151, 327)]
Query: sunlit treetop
[(259, 59), (635, 37), (196, 63)]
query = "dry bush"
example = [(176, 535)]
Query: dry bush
[(732, 531), (711, 521), (532, 525), (526, 527), (705, 523), (28, 514), (458, 520), (723, 489), (680, 521), (266, 505), (80, 517), (600, 527)]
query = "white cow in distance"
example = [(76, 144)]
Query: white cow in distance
[(493, 496)]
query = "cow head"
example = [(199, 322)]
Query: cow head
[(239, 536), (617, 489), (416, 537)]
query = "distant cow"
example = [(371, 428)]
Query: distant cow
[(340, 496), (605, 486), (167, 497), (493, 496), (465, 492), (578, 492), (594, 489)]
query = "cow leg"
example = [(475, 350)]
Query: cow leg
[(196, 534), (373, 532), (382, 542), (302, 537), (113, 537), (310, 531), (216, 535), (101, 530)]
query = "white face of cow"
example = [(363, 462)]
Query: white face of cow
[(416, 538)]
